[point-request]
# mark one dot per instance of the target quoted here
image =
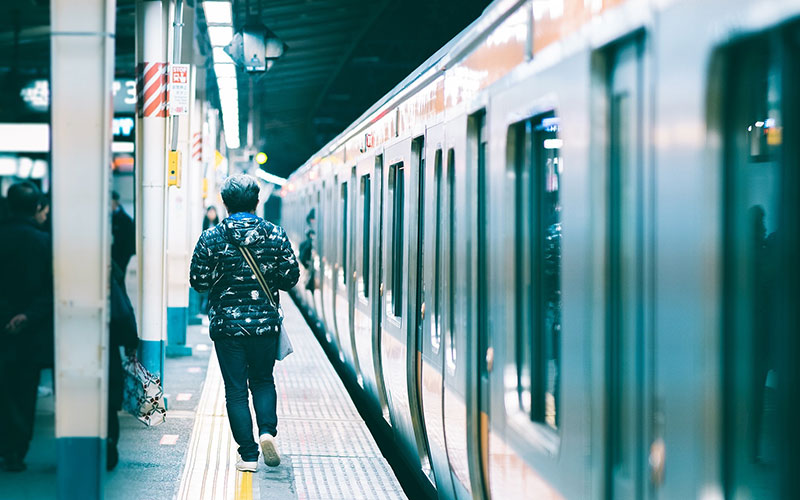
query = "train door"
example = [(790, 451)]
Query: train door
[(481, 352), (627, 297), (417, 288), (377, 285), (363, 275), (395, 311), (459, 228), (759, 330), (433, 314), (342, 277)]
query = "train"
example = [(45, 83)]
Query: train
[(561, 255)]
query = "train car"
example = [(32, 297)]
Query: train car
[(562, 254)]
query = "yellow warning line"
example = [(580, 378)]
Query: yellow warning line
[(244, 485), (209, 471)]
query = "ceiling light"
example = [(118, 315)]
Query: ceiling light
[(218, 12), (226, 83), (220, 35), (221, 57), (225, 70)]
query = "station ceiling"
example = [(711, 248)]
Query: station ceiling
[(343, 56)]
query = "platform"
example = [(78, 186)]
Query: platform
[(326, 449)]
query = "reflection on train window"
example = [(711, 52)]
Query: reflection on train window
[(452, 349), (436, 331), (397, 192), (365, 198), (538, 266), (344, 233), (758, 163)]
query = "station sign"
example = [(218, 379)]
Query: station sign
[(179, 89)]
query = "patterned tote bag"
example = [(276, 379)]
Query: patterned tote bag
[(143, 393)]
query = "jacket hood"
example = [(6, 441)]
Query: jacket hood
[(245, 231)]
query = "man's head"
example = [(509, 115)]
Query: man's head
[(24, 199), (114, 201), (240, 193), (311, 234)]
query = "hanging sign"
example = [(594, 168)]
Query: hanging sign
[(179, 89)]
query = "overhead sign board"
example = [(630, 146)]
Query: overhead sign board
[(179, 89)]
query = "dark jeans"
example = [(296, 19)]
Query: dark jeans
[(19, 382), (243, 359)]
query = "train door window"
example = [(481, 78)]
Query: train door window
[(452, 348), (365, 203), (760, 290), (436, 330), (625, 277), (536, 147), (397, 193), (344, 233)]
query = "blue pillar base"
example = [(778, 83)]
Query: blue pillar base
[(81, 467), (151, 354), (194, 308), (177, 321), (177, 351)]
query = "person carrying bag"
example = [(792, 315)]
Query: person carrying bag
[(242, 263)]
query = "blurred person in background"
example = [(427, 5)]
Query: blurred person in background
[(43, 214), (26, 319), (123, 233), (122, 334), (211, 218)]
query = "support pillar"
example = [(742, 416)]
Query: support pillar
[(82, 63), (151, 149), (178, 253)]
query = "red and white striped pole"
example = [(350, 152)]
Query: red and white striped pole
[(152, 21)]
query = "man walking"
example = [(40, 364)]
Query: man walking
[(26, 319), (244, 324)]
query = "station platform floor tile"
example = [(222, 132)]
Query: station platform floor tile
[(326, 449)]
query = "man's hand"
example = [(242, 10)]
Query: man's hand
[(17, 324)]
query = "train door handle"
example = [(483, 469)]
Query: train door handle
[(380, 290), (422, 310), (354, 275), (489, 359)]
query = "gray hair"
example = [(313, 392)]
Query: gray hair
[(240, 193)]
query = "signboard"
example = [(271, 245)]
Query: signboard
[(179, 89)]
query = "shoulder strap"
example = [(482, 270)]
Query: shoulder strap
[(248, 257)]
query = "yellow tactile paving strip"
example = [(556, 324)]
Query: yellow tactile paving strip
[(326, 450)]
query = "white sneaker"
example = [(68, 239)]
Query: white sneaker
[(243, 466), (270, 450)]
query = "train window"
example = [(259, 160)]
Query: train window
[(436, 331), (760, 293), (344, 232), (452, 352), (538, 266), (365, 199), (397, 191)]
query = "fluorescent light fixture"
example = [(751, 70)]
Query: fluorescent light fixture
[(226, 83), (225, 70), (280, 181), (25, 167), (220, 36), (121, 147), (553, 143), (8, 166), (220, 56), (39, 169), (218, 12), (24, 137)]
